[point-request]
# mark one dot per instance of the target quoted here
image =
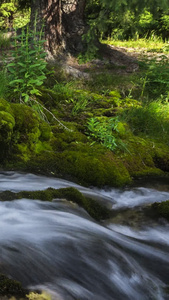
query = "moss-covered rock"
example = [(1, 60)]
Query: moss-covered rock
[(26, 123), (45, 131), (93, 207), (29, 143), (10, 288), (7, 123), (5, 106), (139, 158), (30, 134), (161, 156), (161, 209)]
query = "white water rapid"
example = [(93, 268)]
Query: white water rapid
[(56, 246)]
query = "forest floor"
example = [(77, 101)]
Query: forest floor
[(119, 60)]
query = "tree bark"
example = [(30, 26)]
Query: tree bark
[(63, 23)]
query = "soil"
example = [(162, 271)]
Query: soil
[(119, 60)]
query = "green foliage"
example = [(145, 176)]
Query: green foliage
[(6, 11), (21, 18), (79, 100), (11, 288), (28, 65), (91, 49), (4, 84), (36, 296), (161, 209), (123, 20), (12, 16), (4, 41), (153, 43), (156, 79), (102, 131), (63, 90)]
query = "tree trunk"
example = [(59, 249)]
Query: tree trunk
[(63, 23)]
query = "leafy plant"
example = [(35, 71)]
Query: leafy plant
[(102, 131), (28, 65)]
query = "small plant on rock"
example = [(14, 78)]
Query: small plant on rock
[(105, 132)]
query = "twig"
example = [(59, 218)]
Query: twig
[(51, 115)]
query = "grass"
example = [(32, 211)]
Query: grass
[(4, 41), (4, 84), (153, 44), (149, 120)]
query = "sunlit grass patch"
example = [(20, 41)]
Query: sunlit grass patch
[(151, 120), (155, 44), (5, 41)]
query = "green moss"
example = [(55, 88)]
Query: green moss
[(139, 158), (97, 170), (161, 156), (30, 133), (62, 139), (36, 296), (7, 123), (161, 209), (5, 106), (45, 130), (22, 152), (115, 94), (10, 287), (93, 207), (53, 98), (129, 103), (26, 122), (35, 145), (122, 129), (83, 163)]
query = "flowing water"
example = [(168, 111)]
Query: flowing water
[(56, 246)]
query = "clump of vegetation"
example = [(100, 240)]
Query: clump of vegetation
[(149, 120), (10, 287), (36, 296), (5, 41), (4, 84), (104, 130), (155, 80), (161, 209)]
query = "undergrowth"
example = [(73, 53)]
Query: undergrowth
[(149, 120)]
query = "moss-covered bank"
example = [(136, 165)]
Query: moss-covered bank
[(28, 143)]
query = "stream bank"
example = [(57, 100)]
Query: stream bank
[(30, 144)]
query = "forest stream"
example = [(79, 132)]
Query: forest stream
[(57, 247)]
